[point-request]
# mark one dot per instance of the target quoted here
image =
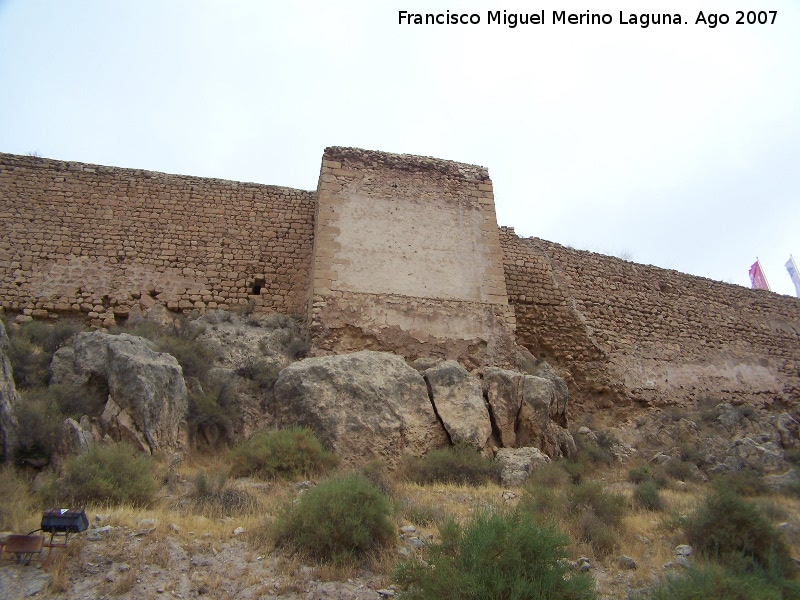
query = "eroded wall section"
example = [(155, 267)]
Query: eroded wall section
[(103, 241), (626, 331), (407, 258)]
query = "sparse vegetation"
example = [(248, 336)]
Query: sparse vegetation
[(111, 474), (284, 453), (31, 348), (646, 496), (730, 529), (339, 520), (213, 496), (459, 464), (495, 555)]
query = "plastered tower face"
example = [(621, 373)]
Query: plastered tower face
[(407, 258)]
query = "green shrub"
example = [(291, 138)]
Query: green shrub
[(552, 475), (680, 470), (39, 417), (110, 475), (285, 453), (459, 465), (601, 536), (194, 358), (31, 349), (744, 483), (728, 528), (690, 454), (376, 473), (421, 514), (646, 496), (495, 555), (609, 507), (716, 581), (261, 372), (340, 519), (213, 408), (213, 497)]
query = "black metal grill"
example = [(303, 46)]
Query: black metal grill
[(63, 520)]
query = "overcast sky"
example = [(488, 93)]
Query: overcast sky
[(673, 145)]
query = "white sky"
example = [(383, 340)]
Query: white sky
[(678, 145)]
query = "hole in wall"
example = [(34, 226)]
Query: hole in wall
[(256, 289)]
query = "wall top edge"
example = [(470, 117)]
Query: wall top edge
[(36, 162), (358, 157)]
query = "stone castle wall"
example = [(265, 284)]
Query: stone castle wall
[(103, 241), (406, 256), (623, 330)]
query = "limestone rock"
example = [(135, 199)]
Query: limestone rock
[(458, 399), (788, 431), (118, 423), (778, 481), (8, 398), (502, 390), (767, 456), (516, 464), (147, 393), (363, 405), (75, 439), (538, 395), (529, 410)]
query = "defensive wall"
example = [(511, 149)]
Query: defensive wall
[(391, 252)]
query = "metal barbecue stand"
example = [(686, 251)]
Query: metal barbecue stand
[(60, 522)]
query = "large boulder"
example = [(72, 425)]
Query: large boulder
[(458, 398), (502, 392), (146, 390), (8, 398), (529, 410), (516, 464), (363, 406)]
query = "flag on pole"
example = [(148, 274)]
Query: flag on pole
[(757, 278), (792, 268)]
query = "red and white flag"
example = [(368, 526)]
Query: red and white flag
[(757, 277)]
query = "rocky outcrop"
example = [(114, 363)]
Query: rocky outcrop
[(516, 464), (363, 406), (147, 393), (8, 398), (76, 438), (458, 399), (529, 410)]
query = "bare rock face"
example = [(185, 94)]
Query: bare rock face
[(529, 410), (76, 438), (147, 392), (516, 464), (458, 398), (8, 398), (363, 406), (502, 390)]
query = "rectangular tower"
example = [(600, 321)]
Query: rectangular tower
[(407, 259)]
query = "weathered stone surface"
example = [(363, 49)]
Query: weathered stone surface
[(788, 431), (502, 390), (516, 464), (118, 423), (529, 410), (458, 399), (75, 438), (8, 398), (767, 456), (147, 392), (362, 405), (538, 395)]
